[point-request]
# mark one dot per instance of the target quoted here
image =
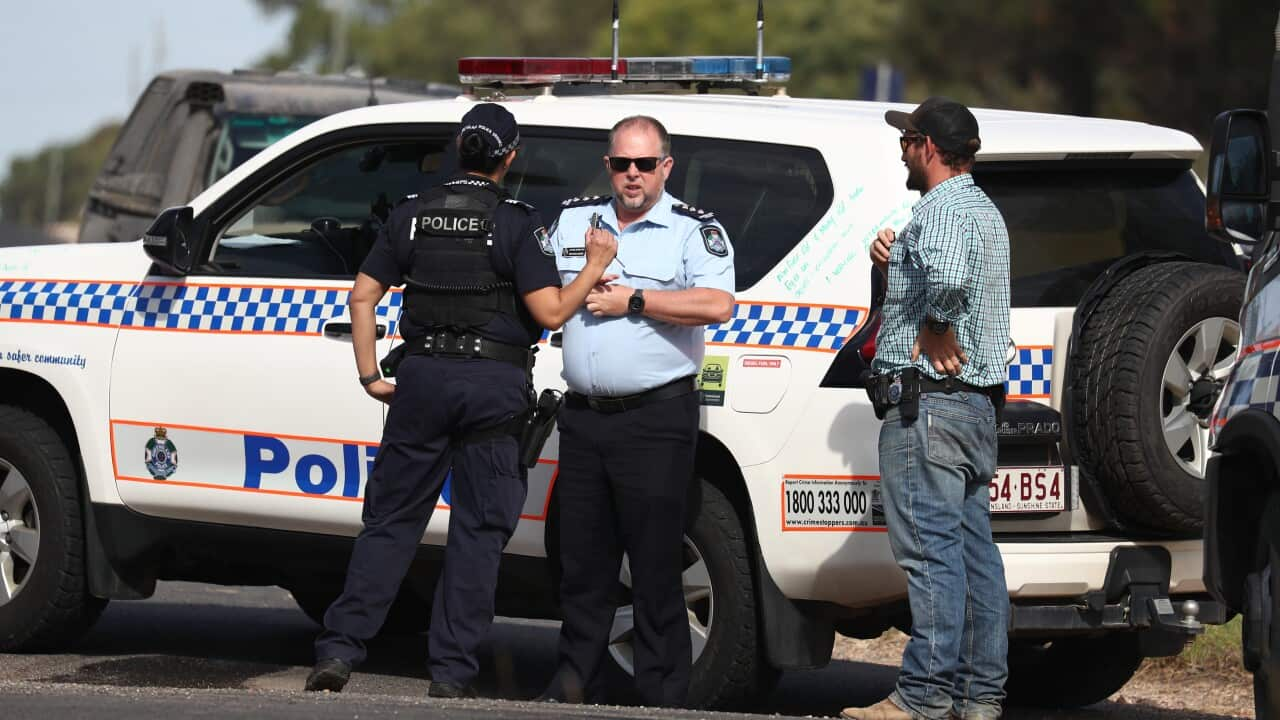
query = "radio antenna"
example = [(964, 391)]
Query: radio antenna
[(613, 66), (760, 40)]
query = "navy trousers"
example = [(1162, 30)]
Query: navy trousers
[(436, 399), (623, 486)]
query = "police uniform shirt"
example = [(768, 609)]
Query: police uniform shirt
[(520, 253), (671, 248)]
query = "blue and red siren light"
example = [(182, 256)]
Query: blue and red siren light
[(543, 71)]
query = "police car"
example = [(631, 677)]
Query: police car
[(185, 406), (1242, 527)]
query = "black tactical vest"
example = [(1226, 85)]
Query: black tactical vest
[(451, 283)]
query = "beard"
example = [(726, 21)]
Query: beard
[(915, 179), (634, 203)]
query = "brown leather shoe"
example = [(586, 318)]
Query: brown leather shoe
[(883, 710)]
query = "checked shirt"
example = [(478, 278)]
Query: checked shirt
[(951, 263)]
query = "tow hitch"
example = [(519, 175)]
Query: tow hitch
[(1135, 598)]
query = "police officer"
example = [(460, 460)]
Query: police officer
[(630, 418), (480, 283)]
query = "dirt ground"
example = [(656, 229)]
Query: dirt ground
[(1159, 691)]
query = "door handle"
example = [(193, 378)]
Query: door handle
[(343, 329)]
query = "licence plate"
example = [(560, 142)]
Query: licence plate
[(1028, 489)]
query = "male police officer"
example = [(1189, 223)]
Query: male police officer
[(467, 254), (941, 372), (630, 419)]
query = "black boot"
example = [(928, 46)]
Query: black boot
[(450, 690), (329, 674)]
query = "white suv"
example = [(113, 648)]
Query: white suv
[(185, 406)]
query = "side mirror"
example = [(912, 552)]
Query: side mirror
[(1239, 185), (170, 241)]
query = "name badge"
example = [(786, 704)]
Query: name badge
[(574, 251)]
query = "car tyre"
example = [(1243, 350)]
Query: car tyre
[(730, 669), (1070, 672), (45, 602), (1260, 630), (1149, 362)]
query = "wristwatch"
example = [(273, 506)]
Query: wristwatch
[(635, 304), (937, 327), (367, 380)]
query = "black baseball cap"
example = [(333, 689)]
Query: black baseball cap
[(948, 123), (495, 124)]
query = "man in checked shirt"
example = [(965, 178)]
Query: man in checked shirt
[(940, 374)]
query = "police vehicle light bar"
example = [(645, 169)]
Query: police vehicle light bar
[(543, 71)]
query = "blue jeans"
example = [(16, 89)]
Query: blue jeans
[(934, 476)]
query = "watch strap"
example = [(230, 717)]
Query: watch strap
[(367, 380)]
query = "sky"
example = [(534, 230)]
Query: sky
[(69, 66)]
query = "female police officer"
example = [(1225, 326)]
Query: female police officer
[(480, 280)]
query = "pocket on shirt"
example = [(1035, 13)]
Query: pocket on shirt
[(573, 263), (660, 268)]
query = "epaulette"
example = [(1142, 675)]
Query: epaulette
[(520, 204), (404, 200), (585, 201), (693, 212)]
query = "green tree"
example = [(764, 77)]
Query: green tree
[(1161, 61), (24, 190)]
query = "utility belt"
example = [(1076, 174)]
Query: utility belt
[(903, 389), (530, 428), (608, 405), (443, 343)]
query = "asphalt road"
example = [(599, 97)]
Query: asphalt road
[(207, 651)]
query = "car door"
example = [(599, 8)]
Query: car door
[(234, 396)]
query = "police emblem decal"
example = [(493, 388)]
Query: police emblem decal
[(713, 241), (544, 241), (160, 455)]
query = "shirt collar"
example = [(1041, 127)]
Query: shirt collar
[(942, 189), (659, 214)]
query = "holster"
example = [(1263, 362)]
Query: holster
[(901, 390), (537, 427), (391, 362)]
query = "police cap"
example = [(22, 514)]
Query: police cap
[(495, 125)]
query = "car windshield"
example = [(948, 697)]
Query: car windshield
[(243, 136)]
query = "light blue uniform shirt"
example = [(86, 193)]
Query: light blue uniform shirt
[(666, 250)]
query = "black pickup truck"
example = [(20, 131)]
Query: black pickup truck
[(191, 127)]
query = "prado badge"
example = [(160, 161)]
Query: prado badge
[(160, 456), (713, 241)]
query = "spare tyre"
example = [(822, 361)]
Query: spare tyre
[(1150, 361)]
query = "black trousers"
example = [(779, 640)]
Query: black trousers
[(623, 487), (436, 398)]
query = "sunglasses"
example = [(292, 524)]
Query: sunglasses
[(909, 139), (619, 164)]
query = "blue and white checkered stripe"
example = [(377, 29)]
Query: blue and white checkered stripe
[(84, 303), (795, 326), (1253, 384), (1031, 372), (205, 308)]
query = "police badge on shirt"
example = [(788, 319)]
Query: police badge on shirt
[(713, 240), (544, 241)]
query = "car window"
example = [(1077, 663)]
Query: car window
[(767, 196), (1066, 227), (127, 151), (320, 219), (242, 136)]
